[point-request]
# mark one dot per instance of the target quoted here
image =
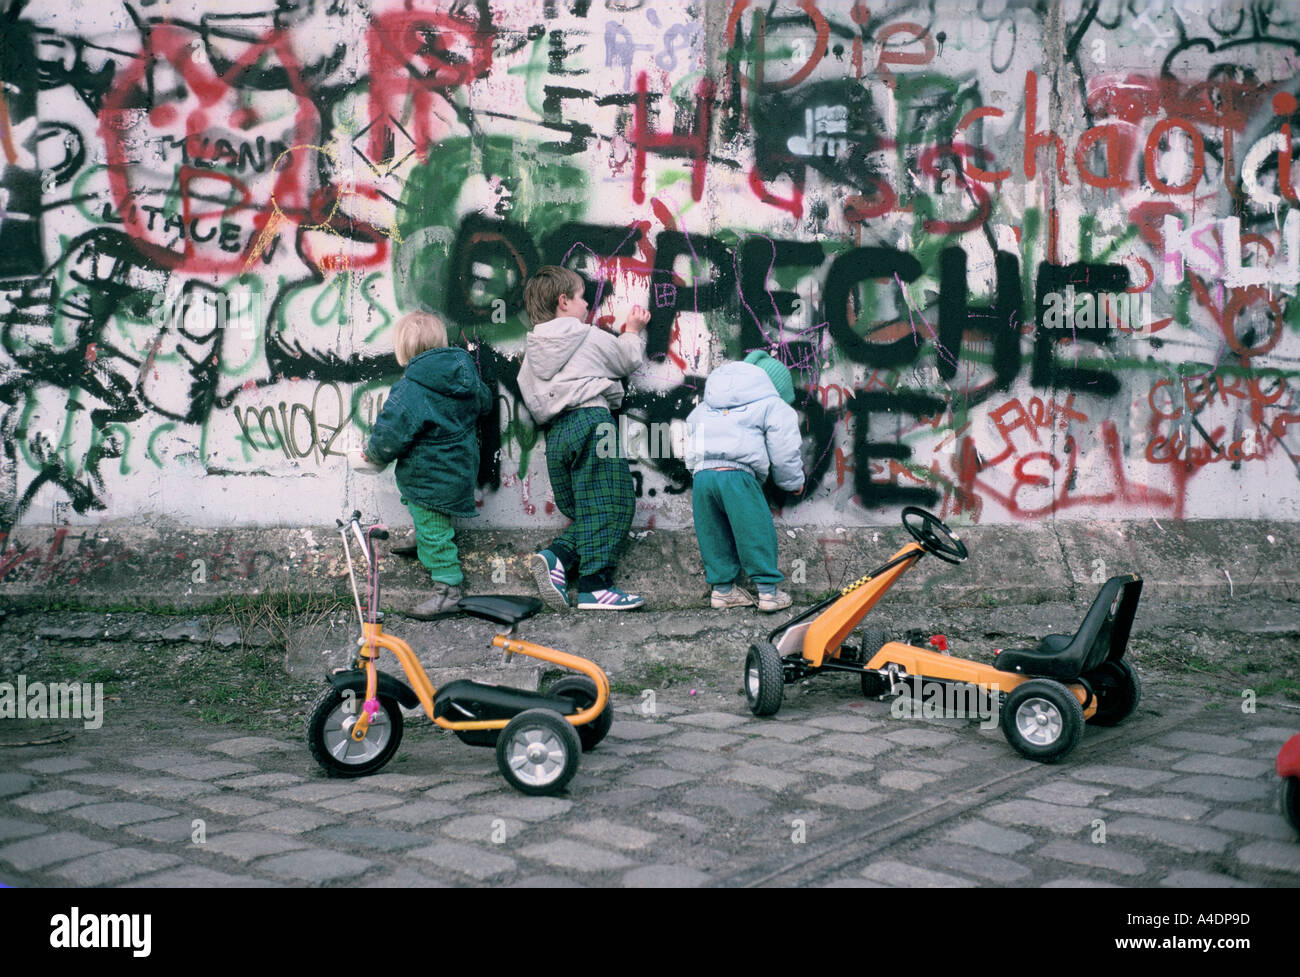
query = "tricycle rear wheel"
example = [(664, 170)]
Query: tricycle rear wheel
[(582, 691), (538, 752)]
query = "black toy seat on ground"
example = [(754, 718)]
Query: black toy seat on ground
[(501, 608), (1102, 637)]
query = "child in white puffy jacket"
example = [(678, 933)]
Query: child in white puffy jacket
[(744, 428)]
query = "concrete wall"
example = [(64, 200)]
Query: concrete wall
[(213, 212)]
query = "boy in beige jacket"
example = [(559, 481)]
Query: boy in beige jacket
[(570, 379)]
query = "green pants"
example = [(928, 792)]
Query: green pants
[(734, 527), (435, 545)]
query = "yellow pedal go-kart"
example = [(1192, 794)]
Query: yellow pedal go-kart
[(355, 725), (1044, 695)]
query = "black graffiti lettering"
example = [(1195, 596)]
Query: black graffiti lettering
[(505, 247), (597, 241), (667, 298), (194, 232), (999, 321), (764, 307), (1051, 372), (229, 240), (552, 112), (842, 305), (861, 406)]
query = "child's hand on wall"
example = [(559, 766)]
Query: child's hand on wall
[(360, 461), (637, 319)]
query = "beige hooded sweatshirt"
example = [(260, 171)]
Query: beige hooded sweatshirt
[(568, 364)]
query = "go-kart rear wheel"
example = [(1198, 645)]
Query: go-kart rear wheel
[(764, 680), (1291, 801), (1042, 719), (582, 691), (538, 752), (1118, 691), (873, 684)]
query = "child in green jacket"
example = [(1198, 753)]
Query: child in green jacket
[(428, 424)]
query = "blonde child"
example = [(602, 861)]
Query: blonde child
[(428, 425)]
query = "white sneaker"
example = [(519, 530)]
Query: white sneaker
[(776, 601), (735, 597)]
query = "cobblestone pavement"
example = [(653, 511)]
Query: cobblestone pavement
[(833, 791)]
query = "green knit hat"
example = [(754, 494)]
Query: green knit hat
[(776, 371)]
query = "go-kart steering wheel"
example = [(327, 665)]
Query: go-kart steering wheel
[(934, 536)]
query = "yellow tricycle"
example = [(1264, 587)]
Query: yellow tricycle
[(355, 725)]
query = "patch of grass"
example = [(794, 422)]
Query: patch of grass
[(1287, 687), (658, 675), (55, 665), (275, 615), (235, 688)]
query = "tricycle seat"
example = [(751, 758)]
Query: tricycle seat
[(1102, 637), (501, 608)]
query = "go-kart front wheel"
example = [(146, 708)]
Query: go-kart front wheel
[(1118, 691), (538, 752), (329, 733), (1042, 719), (764, 680)]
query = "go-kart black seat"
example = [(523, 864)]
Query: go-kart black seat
[(1103, 636), (501, 608)]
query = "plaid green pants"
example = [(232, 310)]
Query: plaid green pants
[(594, 489)]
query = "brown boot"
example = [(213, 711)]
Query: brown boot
[(443, 603)]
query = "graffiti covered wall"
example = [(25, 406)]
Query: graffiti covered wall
[(1024, 258)]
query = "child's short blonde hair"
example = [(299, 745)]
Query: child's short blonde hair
[(416, 332), (542, 292)]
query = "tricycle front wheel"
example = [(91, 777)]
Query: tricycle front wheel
[(329, 733)]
